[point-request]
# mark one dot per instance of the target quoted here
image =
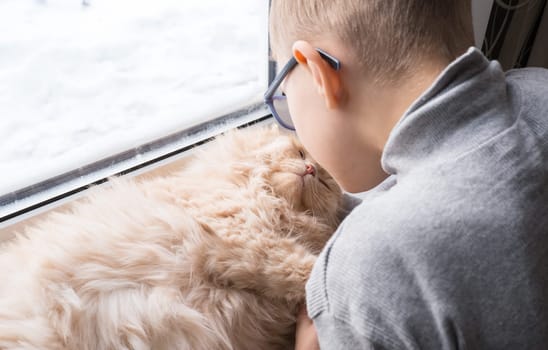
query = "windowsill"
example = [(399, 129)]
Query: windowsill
[(161, 161)]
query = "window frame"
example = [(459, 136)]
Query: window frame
[(45, 193)]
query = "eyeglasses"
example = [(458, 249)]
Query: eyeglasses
[(276, 100)]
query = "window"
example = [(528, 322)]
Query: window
[(92, 88)]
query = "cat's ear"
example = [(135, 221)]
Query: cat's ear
[(274, 130), (265, 134)]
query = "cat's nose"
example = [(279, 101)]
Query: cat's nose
[(310, 170)]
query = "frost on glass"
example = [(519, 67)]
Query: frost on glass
[(82, 80)]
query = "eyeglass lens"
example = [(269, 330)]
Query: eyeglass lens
[(282, 110)]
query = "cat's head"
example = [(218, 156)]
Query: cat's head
[(279, 160)]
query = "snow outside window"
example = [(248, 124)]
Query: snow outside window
[(81, 80)]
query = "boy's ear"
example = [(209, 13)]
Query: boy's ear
[(327, 80)]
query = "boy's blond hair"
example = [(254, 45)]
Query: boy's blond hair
[(387, 37)]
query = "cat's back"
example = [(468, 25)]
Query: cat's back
[(118, 231), (120, 248)]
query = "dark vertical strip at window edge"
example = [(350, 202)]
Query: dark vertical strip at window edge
[(271, 62), (525, 51), (201, 133)]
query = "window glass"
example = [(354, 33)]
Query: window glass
[(81, 80)]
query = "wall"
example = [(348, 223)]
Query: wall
[(481, 10)]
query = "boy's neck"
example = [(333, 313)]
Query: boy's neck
[(387, 104), (379, 109)]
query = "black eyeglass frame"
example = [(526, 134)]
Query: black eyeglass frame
[(269, 96)]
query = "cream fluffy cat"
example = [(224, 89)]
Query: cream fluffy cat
[(212, 256)]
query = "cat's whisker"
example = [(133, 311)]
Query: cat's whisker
[(323, 183)]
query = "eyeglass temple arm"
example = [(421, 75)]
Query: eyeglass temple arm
[(332, 61), (278, 79)]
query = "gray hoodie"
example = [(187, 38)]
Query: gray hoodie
[(451, 250)]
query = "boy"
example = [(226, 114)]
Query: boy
[(449, 248)]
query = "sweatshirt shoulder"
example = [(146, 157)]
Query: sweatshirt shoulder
[(533, 80), (528, 94)]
